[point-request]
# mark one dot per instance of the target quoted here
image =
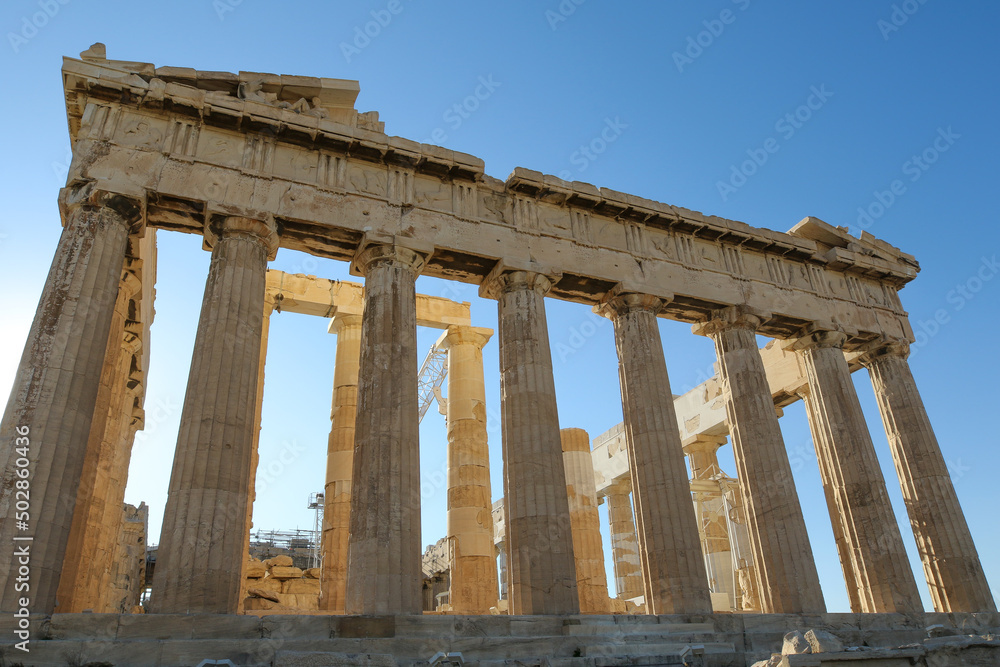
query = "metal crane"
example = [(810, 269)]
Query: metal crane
[(432, 374)]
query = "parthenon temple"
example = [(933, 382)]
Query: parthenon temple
[(254, 162)]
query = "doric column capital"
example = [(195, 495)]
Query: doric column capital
[(816, 336), (733, 317), (884, 347), (620, 486), (341, 321), (504, 278), (129, 209), (377, 254), (462, 335), (620, 300), (262, 230), (702, 442)]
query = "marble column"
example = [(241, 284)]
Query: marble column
[(270, 303), (624, 543), (201, 553), (470, 508), (588, 548), (76, 591), (51, 408), (711, 510), (871, 542), (340, 463), (383, 569), (832, 502), (951, 563), (726, 543), (109, 540), (542, 573), (674, 576), (787, 579)]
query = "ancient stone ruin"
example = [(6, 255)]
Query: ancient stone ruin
[(714, 570)]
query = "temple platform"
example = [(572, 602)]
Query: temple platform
[(713, 640)]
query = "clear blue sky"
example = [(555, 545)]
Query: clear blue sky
[(685, 115)]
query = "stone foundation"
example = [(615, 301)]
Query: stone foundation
[(710, 640)]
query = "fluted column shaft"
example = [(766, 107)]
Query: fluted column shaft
[(542, 573), (383, 569), (871, 544), (951, 563), (201, 553), (473, 576), (786, 572), (588, 548), (98, 516), (340, 463), (52, 403), (79, 569), (832, 504), (109, 540), (624, 545), (674, 576), (265, 329)]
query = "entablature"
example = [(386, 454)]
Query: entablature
[(327, 185)]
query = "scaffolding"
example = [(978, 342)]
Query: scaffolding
[(299, 544), (316, 502)]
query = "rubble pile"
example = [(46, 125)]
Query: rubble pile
[(275, 585), (943, 647)]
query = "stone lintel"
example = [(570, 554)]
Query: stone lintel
[(309, 295), (308, 225)]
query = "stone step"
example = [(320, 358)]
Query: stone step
[(381, 651), (177, 640), (626, 629), (310, 659), (658, 648), (600, 661), (316, 659)]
